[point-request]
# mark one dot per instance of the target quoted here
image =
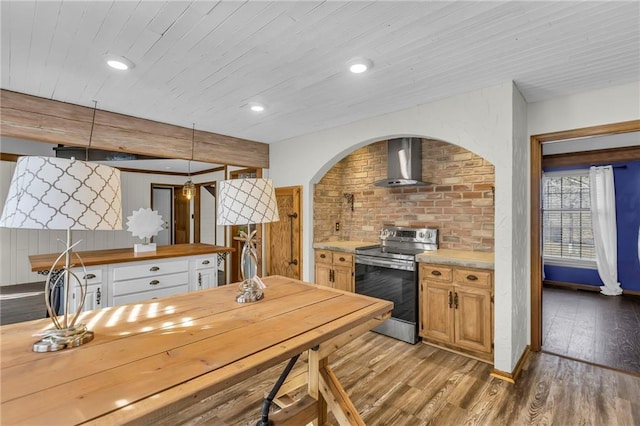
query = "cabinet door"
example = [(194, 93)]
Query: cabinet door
[(436, 320), (94, 298), (323, 274), (343, 278), (473, 318), (206, 278)]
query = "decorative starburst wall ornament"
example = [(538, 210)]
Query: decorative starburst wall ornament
[(145, 223)]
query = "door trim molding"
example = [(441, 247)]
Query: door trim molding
[(536, 175)]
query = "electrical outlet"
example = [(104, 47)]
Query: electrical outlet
[(337, 226)]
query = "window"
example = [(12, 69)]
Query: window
[(566, 219)]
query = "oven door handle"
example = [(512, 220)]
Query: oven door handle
[(402, 265)]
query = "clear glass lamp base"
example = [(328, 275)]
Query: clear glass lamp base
[(250, 291), (56, 340)]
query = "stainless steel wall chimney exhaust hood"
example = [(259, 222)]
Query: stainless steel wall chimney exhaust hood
[(404, 163)]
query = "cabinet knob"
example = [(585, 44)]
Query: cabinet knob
[(342, 259), (154, 282), (436, 273), (472, 278), (205, 262), (154, 268), (322, 256), (89, 276)]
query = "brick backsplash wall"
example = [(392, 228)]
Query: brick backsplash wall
[(459, 203)]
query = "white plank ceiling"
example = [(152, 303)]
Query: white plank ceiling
[(203, 62)]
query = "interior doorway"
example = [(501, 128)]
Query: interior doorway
[(236, 241), (537, 142), (284, 238), (175, 210)]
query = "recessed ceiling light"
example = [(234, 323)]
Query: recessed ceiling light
[(359, 65), (119, 62), (256, 107)]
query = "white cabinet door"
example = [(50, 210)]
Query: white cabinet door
[(94, 298), (204, 272)]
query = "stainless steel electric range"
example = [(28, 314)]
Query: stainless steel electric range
[(389, 271)]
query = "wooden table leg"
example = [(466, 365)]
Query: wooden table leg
[(315, 365)]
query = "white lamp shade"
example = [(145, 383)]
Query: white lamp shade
[(58, 193), (245, 201)]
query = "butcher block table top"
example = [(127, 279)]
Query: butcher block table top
[(43, 262), (152, 357)]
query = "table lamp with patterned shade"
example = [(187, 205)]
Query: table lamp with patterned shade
[(246, 202), (58, 193)]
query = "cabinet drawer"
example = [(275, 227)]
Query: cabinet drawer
[(436, 273), (344, 259), (473, 277), (150, 269), (206, 262), (150, 284), (323, 256), (147, 295)]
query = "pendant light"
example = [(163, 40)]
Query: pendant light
[(189, 189)]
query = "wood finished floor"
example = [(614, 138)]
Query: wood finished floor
[(395, 383), (590, 326)]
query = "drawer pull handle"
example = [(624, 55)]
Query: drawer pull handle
[(436, 273), (98, 296), (455, 300), (89, 276), (342, 259), (322, 256), (472, 278), (154, 268), (154, 282), (205, 262), (450, 300)]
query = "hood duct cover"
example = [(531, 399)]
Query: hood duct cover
[(404, 163)]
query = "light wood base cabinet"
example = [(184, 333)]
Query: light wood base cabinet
[(335, 269), (456, 308)]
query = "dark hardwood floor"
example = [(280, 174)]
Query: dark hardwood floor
[(22, 302), (592, 327), (393, 383)]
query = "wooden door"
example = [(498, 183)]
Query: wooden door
[(437, 316), (284, 238), (181, 216), (473, 318)]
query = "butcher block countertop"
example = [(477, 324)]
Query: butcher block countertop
[(344, 246), (43, 262), (163, 355), (469, 259)]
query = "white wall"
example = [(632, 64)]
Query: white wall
[(605, 106), (480, 121)]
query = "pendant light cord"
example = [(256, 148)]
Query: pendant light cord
[(93, 122), (193, 142)]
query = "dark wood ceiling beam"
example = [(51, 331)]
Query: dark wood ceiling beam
[(44, 120)]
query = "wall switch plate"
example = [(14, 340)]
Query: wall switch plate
[(337, 226)]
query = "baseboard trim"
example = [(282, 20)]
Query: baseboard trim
[(512, 377), (586, 287)]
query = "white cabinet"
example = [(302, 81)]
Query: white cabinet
[(143, 280), (204, 272), (94, 298)]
